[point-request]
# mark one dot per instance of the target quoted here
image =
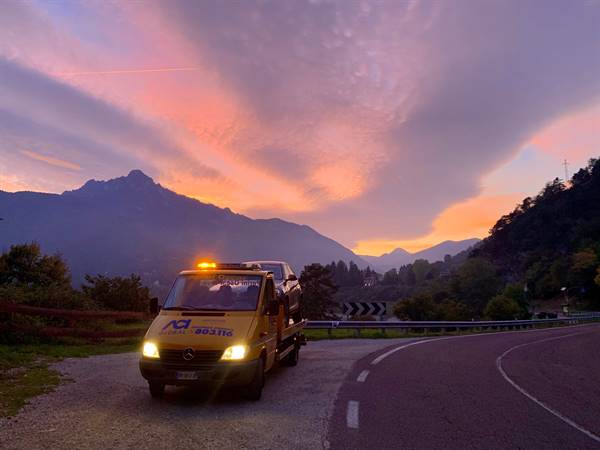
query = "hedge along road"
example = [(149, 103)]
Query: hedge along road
[(530, 389), (108, 406)]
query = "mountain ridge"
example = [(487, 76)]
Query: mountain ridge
[(131, 224), (399, 256)]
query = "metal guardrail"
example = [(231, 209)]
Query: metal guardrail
[(584, 314), (358, 325)]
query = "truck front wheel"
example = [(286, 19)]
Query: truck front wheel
[(156, 389), (254, 389)]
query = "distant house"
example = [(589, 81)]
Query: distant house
[(370, 281)]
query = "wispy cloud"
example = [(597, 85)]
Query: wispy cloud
[(367, 120), (50, 160), (128, 71)]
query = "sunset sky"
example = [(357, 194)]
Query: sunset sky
[(378, 123)]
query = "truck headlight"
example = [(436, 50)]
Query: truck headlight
[(150, 350), (235, 352)]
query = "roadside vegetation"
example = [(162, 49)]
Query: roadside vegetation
[(546, 250), (30, 278)]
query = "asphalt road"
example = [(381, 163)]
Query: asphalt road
[(526, 390), (517, 390), (107, 405)]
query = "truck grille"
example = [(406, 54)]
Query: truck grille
[(203, 359)]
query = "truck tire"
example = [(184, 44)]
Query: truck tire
[(292, 358), (254, 389), (156, 389)]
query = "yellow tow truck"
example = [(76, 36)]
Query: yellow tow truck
[(221, 325)]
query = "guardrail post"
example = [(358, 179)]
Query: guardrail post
[(357, 332), (329, 332), (383, 331)]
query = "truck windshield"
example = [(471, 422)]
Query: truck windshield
[(216, 292)]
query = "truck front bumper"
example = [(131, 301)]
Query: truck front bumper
[(222, 373)]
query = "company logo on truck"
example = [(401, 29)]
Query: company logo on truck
[(183, 327), (178, 324)]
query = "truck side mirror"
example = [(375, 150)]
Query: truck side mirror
[(292, 277), (273, 307), (154, 308)]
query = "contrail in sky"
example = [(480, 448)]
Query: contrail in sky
[(128, 71)]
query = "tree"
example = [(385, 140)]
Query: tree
[(453, 310), (390, 277), (502, 308), (584, 260), (420, 307), (121, 294), (340, 276), (476, 282), (516, 292), (597, 279), (26, 265), (318, 290), (28, 276), (355, 276), (420, 268)]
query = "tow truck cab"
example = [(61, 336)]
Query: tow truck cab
[(221, 325)]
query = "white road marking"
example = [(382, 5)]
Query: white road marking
[(531, 397), (352, 414), (394, 350), (362, 376)]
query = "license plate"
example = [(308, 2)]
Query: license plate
[(186, 375)]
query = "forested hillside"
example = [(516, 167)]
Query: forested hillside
[(547, 248), (553, 240)]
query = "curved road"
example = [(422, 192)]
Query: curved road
[(532, 389)]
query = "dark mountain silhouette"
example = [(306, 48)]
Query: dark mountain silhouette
[(133, 225), (400, 257)]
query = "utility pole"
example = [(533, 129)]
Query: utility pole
[(566, 164)]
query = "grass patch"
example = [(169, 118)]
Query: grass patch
[(25, 371)]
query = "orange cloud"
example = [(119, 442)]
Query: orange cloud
[(574, 136), (50, 160), (471, 218)]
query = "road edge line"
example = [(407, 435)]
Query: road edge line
[(362, 377), (534, 399), (423, 341)]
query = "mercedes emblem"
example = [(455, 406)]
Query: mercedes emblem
[(188, 354)]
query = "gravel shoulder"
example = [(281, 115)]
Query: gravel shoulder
[(106, 404)]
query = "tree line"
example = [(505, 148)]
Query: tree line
[(348, 275), (30, 277), (547, 248)]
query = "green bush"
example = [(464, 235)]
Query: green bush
[(502, 308), (118, 293), (420, 307)]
